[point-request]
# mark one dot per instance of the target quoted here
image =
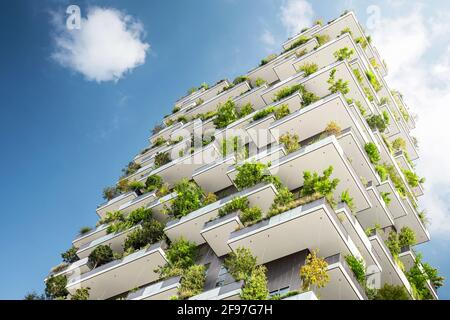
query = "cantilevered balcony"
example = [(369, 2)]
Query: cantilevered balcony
[(70, 270), (139, 202), (213, 177), (313, 225), (231, 291), (211, 104), (119, 276), (185, 166), (358, 235), (162, 290), (114, 240), (308, 295), (190, 226), (410, 146), (157, 206), (408, 257), (343, 284), (96, 233), (165, 133), (258, 130), (404, 163), (379, 213), (253, 97), (284, 61), (413, 221), (114, 204), (202, 94), (317, 157), (392, 274), (317, 84)]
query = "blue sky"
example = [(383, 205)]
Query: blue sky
[(65, 136)]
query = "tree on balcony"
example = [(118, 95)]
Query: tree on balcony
[(314, 272), (70, 256), (81, 294), (55, 287), (99, 256)]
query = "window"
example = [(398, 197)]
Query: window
[(279, 292)]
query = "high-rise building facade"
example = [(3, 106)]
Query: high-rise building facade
[(295, 181)]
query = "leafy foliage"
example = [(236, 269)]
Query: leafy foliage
[(343, 54), (250, 215), (297, 43), (226, 114), (55, 287), (391, 292), (372, 152), (192, 281), (337, 85), (151, 232), (182, 254), (287, 91), (189, 198), (267, 59), (238, 203), (250, 174), (291, 142), (358, 268), (407, 237), (333, 128), (386, 198), (70, 256), (100, 256), (308, 68), (377, 122), (323, 185), (161, 159), (256, 285), (81, 294), (314, 272), (240, 263), (373, 81), (347, 199), (153, 183), (393, 243)]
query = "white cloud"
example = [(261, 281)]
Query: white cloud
[(408, 43), (295, 15), (108, 45), (268, 39)]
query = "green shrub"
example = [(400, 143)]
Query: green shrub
[(226, 114), (70, 256), (55, 287), (249, 215), (372, 152), (337, 86), (309, 68), (412, 178), (246, 110), (399, 144), (391, 292), (308, 98), (81, 294), (283, 197), (291, 142), (189, 198), (297, 43), (249, 174), (346, 30), (111, 217), (210, 198), (407, 237), (267, 59), (192, 282), (181, 254), (393, 243), (358, 268), (255, 287), (239, 80), (386, 117), (259, 82), (386, 198), (373, 81), (240, 263), (159, 142), (110, 193), (153, 183), (263, 113), (347, 199), (161, 159), (151, 232), (282, 111), (382, 172), (84, 230), (358, 75), (100, 256), (377, 122), (362, 41), (136, 186), (313, 183), (287, 91), (343, 54), (238, 203), (322, 39)]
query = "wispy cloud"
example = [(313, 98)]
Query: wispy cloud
[(295, 15), (409, 42), (268, 39), (108, 45)]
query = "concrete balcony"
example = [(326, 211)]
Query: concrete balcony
[(162, 290), (114, 204)]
